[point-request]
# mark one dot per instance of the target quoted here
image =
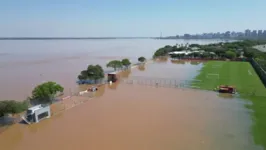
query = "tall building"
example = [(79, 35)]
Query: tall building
[(260, 33), (264, 33), (247, 33), (254, 33), (240, 34), (187, 36), (233, 34), (227, 34)]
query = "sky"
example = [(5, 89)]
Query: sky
[(127, 18)]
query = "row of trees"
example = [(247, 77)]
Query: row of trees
[(95, 72), (44, 93), (117, 64), (229, 50)]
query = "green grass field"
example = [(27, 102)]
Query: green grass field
[(239, 74), (248, 85)]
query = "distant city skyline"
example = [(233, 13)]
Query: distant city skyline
[(246, 34), (130, 18)]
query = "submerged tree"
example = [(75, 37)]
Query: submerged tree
[(46, 92), (125, 62), (12, 107), (93, 72), (141, 59), (114, 64)]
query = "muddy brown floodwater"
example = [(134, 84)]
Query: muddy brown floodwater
[(121, 116), (135, 117)]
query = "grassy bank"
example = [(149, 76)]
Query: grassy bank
[(249, 86)]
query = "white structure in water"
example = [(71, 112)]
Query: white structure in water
[(37, 113)]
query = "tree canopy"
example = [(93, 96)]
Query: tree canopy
[(12, 107), (114, 64), (125, 62), (45, 93), (230, 54), (93, 72), (142, 59)]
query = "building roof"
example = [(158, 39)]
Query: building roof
[(34, 108), (186, 52), (113, 72)]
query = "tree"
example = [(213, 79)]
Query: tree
[(141, 59), (45, 93), (125, 62), (230, 54), (114, 64), (93, 72), (194, 45), (161, 52), (12, 107), (205, 55), (196, 54)]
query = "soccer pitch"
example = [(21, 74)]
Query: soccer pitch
[(238, 74)]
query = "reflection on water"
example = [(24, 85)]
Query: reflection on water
[(178, 70), (141, 67), (181, 62), (113, 86), (226, 95), (195, 62), (161, 60), (125, 73)]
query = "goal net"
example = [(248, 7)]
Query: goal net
[(212, 76)]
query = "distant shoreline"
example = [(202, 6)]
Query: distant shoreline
[(104, 38), (71, 38)]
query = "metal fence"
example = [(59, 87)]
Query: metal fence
[(163, 82), (189, 84), (260, 71), (68, 102)]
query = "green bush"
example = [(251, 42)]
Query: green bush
[(12, 107)]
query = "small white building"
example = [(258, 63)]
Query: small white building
[(180, 52), (195, 48), (37, 113)]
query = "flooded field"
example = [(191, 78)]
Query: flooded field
[(132, 116), (26, 63), (140, 117), (120, 116), (167, 69)]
